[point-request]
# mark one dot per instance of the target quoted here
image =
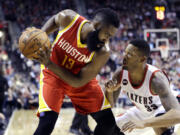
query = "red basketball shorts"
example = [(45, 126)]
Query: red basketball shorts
[(86, 99)]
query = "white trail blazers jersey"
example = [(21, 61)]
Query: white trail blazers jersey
[(141, 96)]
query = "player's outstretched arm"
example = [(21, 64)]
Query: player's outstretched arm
[(86, 74), (60, 20), (113, 96), (170, 118), (112, 87), (114, 83)]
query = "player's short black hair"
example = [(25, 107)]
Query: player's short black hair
[(142, 45), (108, 16)]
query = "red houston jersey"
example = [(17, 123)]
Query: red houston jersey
[(67, 50)]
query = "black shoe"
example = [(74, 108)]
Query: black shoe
[(75, 131), (87, 132)]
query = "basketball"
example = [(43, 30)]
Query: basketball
[(31, 40)]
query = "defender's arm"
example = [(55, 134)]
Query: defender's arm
[(113, 88)]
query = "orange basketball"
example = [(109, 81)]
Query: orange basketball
[(31, 40)]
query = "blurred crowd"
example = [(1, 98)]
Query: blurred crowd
[(22, 75), (33, 12)]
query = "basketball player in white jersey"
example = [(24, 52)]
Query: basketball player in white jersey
[(145, 85)]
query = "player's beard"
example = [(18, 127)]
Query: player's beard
[(93, 41)]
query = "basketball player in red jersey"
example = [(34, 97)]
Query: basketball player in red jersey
[(146, 86), (77, 55)]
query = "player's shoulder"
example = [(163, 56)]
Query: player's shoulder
[(159, 82), (69, 13), (152, 68), (155, 73), (65, 17), (158, 77)]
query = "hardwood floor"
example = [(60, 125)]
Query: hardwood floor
[(24, 122)]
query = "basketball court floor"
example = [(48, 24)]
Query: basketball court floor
[(24, 122)]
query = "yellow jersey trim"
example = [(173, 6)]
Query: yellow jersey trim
[(42, 103), (72, 22), (79, 44), (91, 56), (105, 104), (65, 29)]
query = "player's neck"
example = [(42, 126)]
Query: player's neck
[(137, 74)]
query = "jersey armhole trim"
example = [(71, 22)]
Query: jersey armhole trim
[(79, 44), (91, 56), (65, 29), (166, 76), (69, 25)]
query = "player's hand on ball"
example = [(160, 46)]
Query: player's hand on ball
[(111, 85), (31, 40), (44, 56)]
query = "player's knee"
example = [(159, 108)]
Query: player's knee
[(46, 123)]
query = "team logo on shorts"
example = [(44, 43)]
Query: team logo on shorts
[(125, 82)]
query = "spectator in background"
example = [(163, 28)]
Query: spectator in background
[(135, 16), (3, 87)]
